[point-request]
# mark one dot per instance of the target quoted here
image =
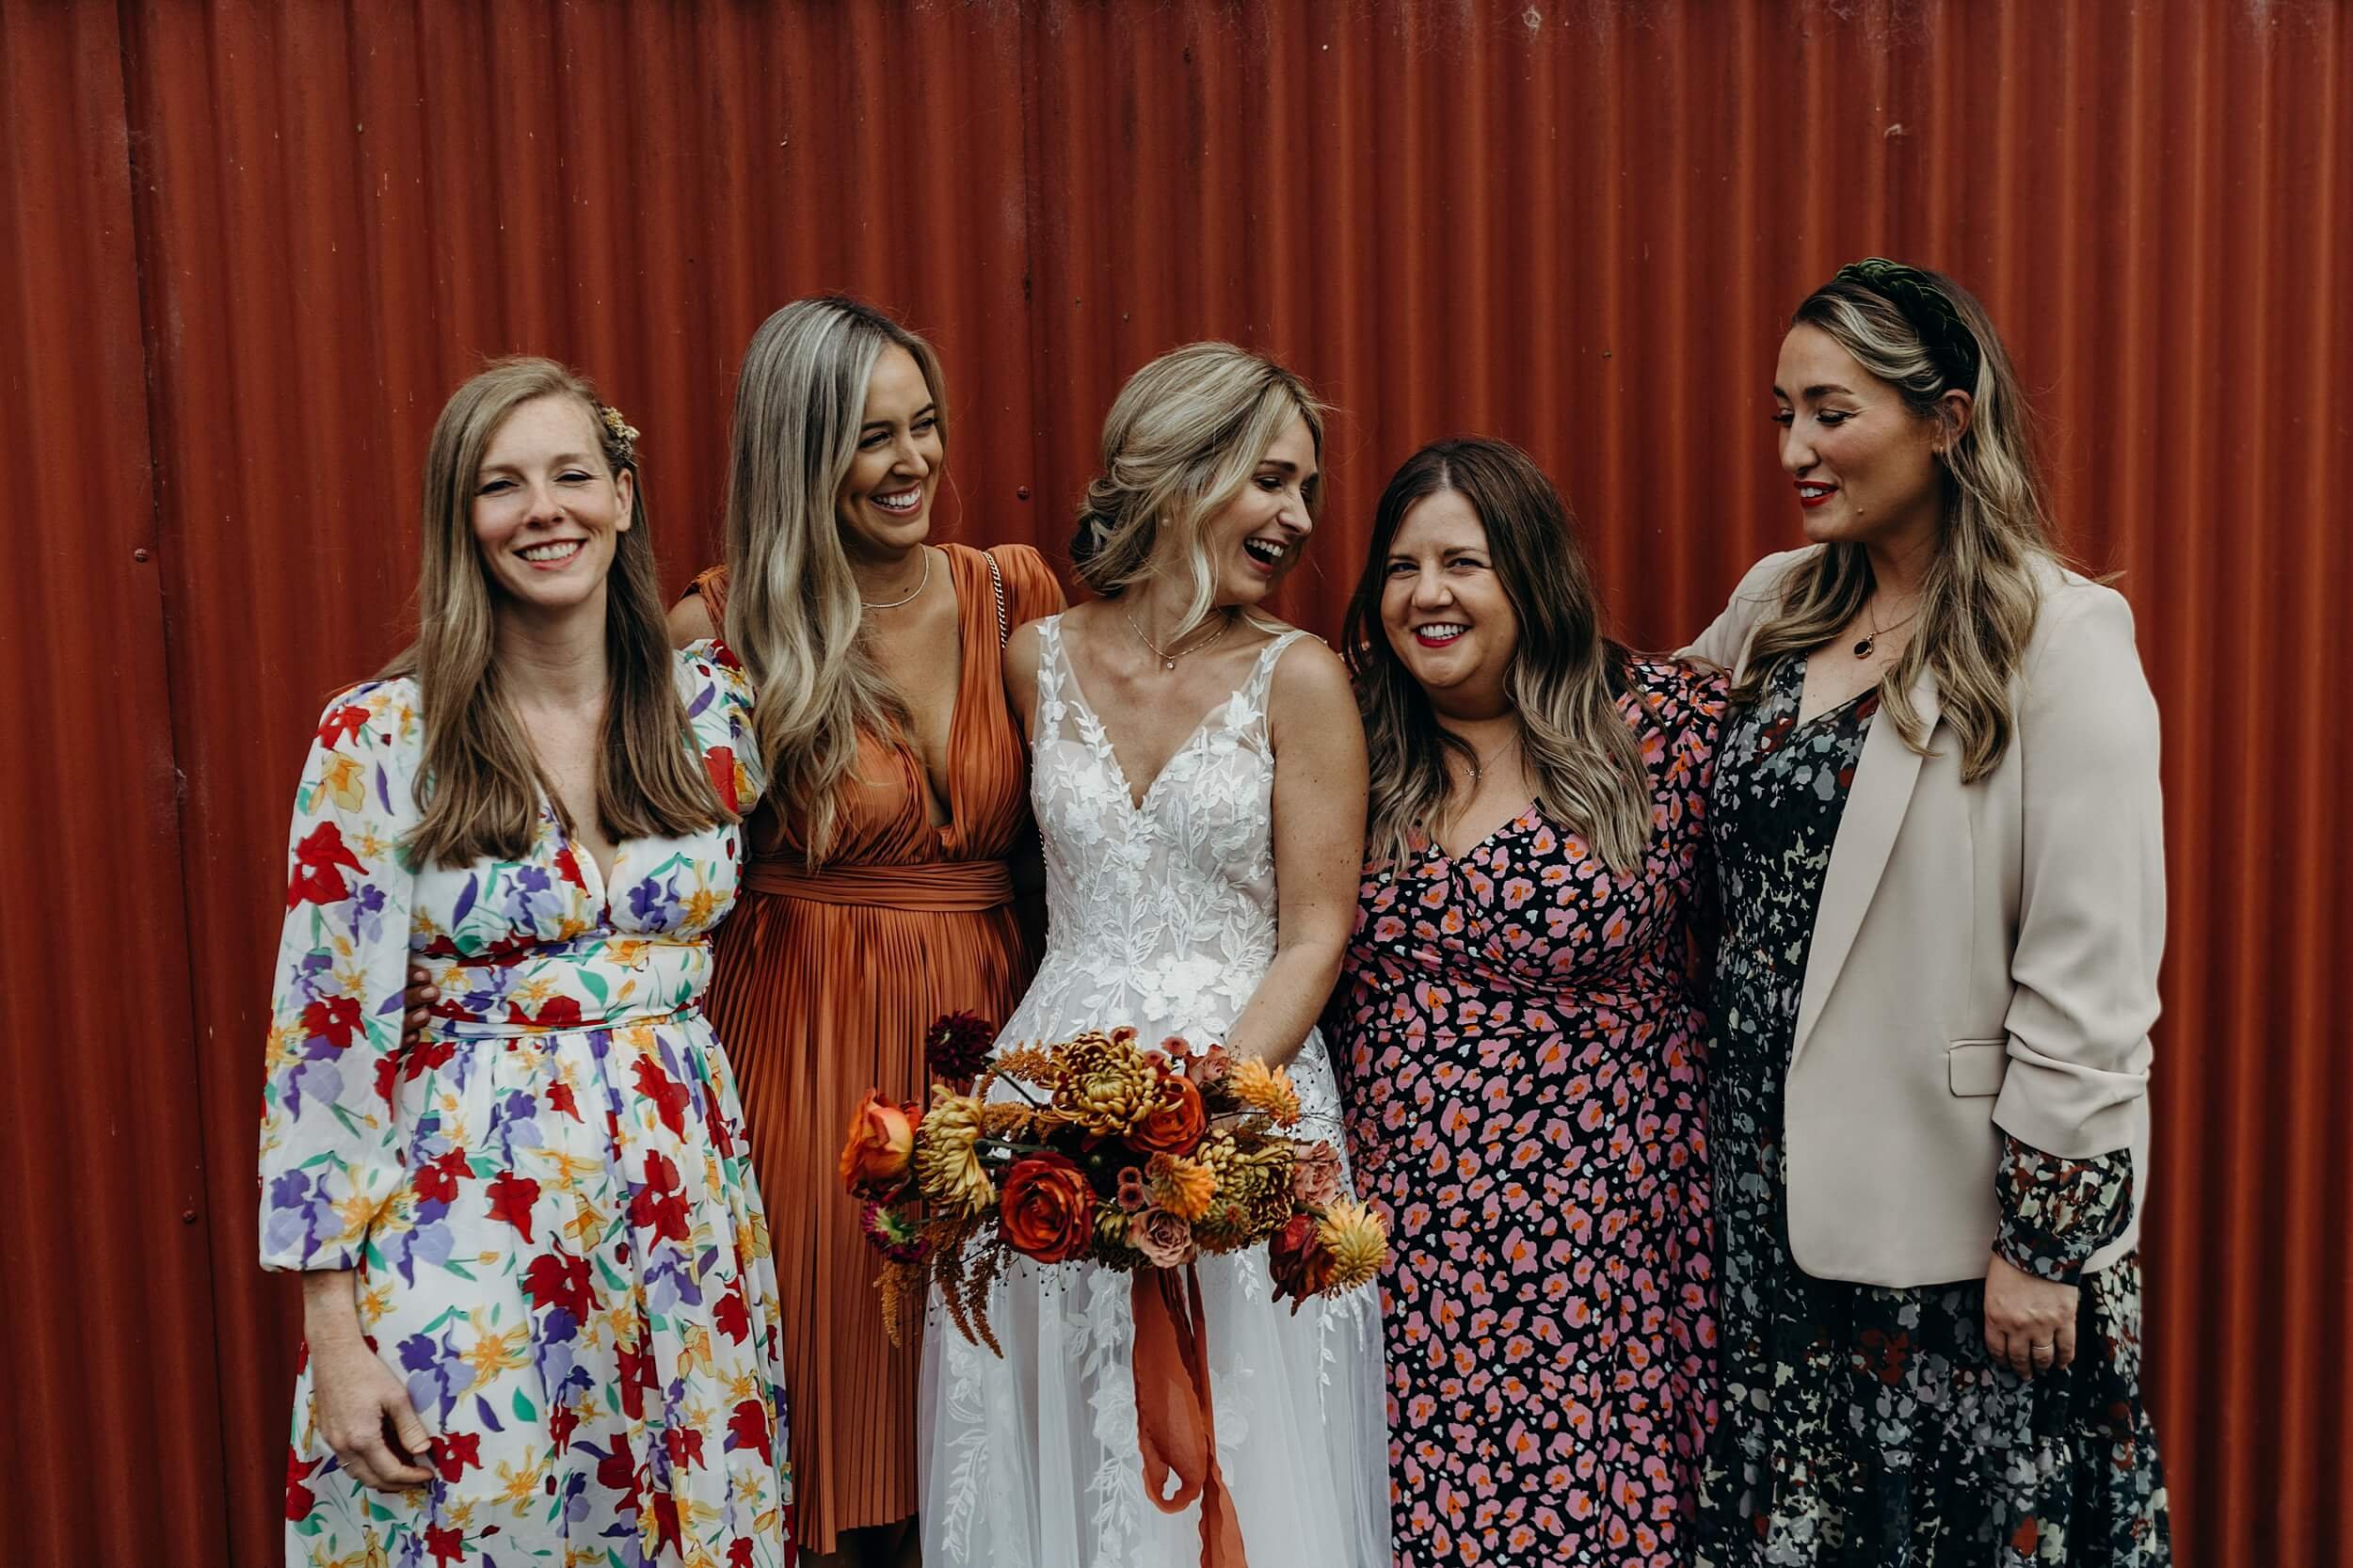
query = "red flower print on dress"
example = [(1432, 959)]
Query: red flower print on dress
[(668, 1093), (453, 1452), (300, 1497), (511, 1197), (437, 1179), (558, 1279), (555, 1013), (719, 761), (342, 724), (320, 860), (749, 1427), (660, 1205), (334, 1019)]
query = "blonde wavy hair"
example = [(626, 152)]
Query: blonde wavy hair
[(481, 786), (1563, 682), (1982, 590), (1182, 440), (793, 616)]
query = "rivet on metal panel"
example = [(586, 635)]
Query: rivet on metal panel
[(1021, 492), (138, 555), (187, 1216)]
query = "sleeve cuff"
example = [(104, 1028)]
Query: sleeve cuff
[(2057, 1211)]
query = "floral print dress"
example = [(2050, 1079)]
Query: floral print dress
[(559, 1247), (1869, 1426), (1522, 1034)]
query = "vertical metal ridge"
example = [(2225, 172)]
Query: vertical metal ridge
[(1579, 225)]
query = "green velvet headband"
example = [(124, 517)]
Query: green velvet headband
[(1927, 309)]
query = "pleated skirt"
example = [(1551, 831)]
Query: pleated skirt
[(816, 1003)]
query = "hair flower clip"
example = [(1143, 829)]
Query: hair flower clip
[(622, 434)]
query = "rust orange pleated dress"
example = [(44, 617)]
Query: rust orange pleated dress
[(823, 986)]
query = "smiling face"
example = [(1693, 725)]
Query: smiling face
[(1865, 465), (1443, 607), (547, 513), (886, 500), (1255, 539)]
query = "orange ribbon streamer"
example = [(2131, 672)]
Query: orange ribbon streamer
[(1173, 1424)]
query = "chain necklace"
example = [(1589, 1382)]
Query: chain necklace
[(924, 583), (1863, 648), (1168, 656)]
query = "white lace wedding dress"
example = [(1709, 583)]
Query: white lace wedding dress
[(1163, 916)]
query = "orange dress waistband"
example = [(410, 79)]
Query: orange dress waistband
[(939, 887)]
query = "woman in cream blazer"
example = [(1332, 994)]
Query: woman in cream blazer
[(1939, 845)]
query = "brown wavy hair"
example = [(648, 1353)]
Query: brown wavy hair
[(481, 786), (1981, 592), (1563, 682)]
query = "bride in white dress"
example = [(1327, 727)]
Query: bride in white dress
[(1189, 756)]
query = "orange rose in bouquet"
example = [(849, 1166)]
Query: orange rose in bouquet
[(880, 1147), (1175, 1122), (1048, 1210)]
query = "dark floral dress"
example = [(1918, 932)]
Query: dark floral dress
[(1869, 1426), (1519, 1032)]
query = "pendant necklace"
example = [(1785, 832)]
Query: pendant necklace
[(924, 582), (1863, 648), (1168, 656)]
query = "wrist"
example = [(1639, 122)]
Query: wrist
[(330, 1309)]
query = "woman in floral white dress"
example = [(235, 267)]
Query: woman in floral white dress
[(539, 1317)]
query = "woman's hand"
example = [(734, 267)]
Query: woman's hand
[(360, 1408), (2030, 1321), (417, 1004)]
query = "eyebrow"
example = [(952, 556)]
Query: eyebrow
[(1827, 388), (560, 460), (885, 425)]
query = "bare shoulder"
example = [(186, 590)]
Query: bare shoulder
[(1311, 690), (690, 621)]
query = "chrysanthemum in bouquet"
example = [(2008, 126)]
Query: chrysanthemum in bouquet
[(1102, 1149)]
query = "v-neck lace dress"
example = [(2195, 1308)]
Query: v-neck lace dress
[(826, 982), (559, 1244), (1162, 917), (1522, 1032)]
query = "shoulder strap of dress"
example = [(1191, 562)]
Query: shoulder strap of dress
[(996, 585), (712, 585), (1049, 675), (1262, 677)]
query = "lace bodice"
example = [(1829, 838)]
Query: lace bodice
[(1160, 914)]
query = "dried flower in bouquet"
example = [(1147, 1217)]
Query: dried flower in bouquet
[(956, 1046)]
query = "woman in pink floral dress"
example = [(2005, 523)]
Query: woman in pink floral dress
[(1520, 1028), (539, 1316)]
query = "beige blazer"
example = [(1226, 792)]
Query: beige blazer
[(1985, 955)]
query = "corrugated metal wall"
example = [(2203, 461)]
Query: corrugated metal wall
[(247, 248)]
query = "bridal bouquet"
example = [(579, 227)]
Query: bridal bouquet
[(1131, 1158)]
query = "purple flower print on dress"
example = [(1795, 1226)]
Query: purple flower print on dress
[(299, 1213), (367, 913), (437, 1373), (426, 1240), (528, 898), (671, 1278), (654, 905)]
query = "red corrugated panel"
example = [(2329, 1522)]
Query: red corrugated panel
[(106, 1313), (1576, 223)]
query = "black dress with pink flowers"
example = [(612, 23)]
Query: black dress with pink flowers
[(1520, 1033), (1865, 1426)]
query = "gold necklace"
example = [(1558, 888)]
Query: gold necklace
[(1863, 648), (1168, 656), (922, 584)]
